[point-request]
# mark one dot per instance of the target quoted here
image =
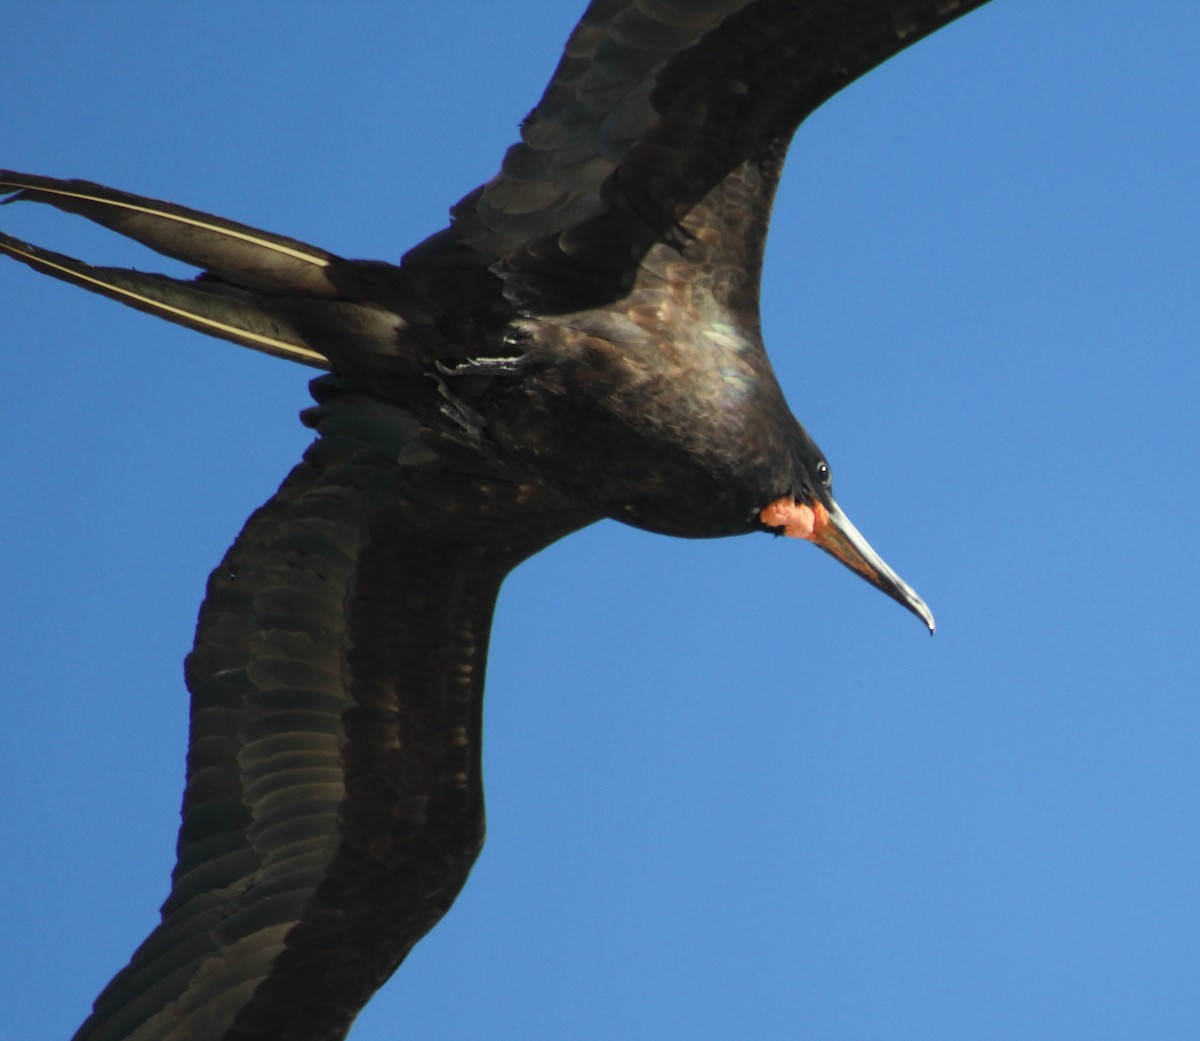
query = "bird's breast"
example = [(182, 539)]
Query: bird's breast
[(682, 436)]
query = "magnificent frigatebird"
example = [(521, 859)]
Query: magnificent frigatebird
[(581, 342)]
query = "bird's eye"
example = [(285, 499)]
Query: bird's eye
[(824, 473)]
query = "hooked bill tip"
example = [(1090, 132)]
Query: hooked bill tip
[(830, 529)]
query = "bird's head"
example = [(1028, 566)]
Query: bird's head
[(808, 511)]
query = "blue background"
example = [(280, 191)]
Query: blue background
[(733, 791)]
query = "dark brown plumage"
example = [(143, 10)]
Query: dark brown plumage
[(581, 342)]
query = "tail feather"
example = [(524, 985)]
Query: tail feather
[(234, 252), (208, 307), (256, 289)]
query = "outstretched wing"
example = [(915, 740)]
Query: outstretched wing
[(659, 108), (334, 804)]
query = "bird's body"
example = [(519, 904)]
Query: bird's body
[(582, 342)]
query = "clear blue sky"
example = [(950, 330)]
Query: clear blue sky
[(733, 792)]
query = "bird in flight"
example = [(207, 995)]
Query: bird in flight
[(581, 342)]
